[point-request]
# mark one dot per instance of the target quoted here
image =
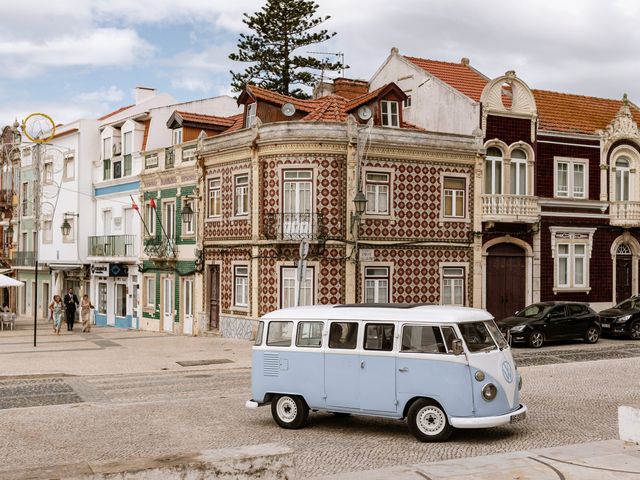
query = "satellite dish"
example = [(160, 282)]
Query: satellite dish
[(288, 109), (364, 112)]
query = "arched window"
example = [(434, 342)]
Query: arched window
[(623, 249), (493, 171), (518, 172), (622, 179)]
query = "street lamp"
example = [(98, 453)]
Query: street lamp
[(66, 226), (187, 213), (360, 203)]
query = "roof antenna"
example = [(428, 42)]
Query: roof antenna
[(335, 54)]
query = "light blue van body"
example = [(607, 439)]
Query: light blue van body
[(385, 383)]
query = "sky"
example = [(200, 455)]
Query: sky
[(83, 58)]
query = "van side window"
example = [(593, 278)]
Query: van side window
[(343, 335), (309, 334), (422, 339), (378, 336), (279, 334), (449, 336), (259, 333)]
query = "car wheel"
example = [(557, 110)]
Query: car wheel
[(592, 334), (536, 339), (634, 330), (289, 411), (428, 422)]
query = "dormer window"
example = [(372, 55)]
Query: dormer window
[(251, 114), (106, 148), (177, 136), (390, 116)]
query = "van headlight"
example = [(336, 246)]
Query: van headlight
[(489, 391), (518, 328)]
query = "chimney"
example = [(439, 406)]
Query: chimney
[(464, 61), (348, 88), (142, 94)]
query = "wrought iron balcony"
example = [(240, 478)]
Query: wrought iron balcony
[(294, 226), (510, 208), (23, 259), (625, 214), (112, 246), (6, 198), (156, 247)]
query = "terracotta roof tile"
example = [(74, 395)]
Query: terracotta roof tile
[(367, 97), (115, 112), (207, 119), (461, 77), (279, 99), (329, 109), (564, 112), (238, 120)]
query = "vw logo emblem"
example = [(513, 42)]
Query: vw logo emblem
[(507, 373)]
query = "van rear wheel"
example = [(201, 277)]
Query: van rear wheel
[(428, 421), (289, 411)]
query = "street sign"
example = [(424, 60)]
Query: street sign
[(302, 273), (366, 255), (304, 249)]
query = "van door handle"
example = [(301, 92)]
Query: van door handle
[(403, 369), (362, 364)]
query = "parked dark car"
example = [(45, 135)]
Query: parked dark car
[(623, 319), (537, 323)]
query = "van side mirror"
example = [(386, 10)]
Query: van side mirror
[(456, 347)]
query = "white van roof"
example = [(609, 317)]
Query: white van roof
[(398, 312)]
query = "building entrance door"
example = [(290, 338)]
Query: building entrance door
[(167, 304), (623, 277), (214, 297), (506, 280)]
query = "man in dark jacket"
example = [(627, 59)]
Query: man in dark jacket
[(70, 303)]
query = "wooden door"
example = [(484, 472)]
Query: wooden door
[(506, 282), (214, 297), (623, 277)]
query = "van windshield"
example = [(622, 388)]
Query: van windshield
[(477, 337)]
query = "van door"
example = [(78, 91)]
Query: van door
[(342, 366), (378, 369), (427, 368)]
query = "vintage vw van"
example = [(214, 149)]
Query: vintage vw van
[(439, 367)]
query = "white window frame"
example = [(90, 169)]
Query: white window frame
[(625, 174), (189, 154), (116, 286), (518, 165), (387, 117), (47, 231), (125, 150), (250, 114), (47, 172), (373, 208), (241, 281), (213, 193), (292, 276), (571, 162), (241, 190), (150, 219), (69, 159), (377, 282), (445, 218), (169, 221), (106, 148), (453, 271), (571, 237), (176, 136), (492, 174), (406, 103), (149, 287)]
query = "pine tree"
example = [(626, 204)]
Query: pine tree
[(280, 28)]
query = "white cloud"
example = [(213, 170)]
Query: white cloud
[(111, 94)]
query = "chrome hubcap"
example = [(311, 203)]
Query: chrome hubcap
[(287, 409), (430, 420), (635, 331), (536, 339), (592, 334)]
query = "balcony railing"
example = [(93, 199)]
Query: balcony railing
[(23, 259), (112, 246), (294, 226), (510, 208), (625, 214), (155, 247), (6, 197)]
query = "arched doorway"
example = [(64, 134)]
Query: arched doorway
[(506, 283), (623, 272)]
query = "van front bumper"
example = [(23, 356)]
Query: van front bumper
[(485, 422)]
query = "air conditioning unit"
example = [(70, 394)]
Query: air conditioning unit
[(117, 148)]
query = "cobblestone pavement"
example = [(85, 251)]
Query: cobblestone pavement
[(139, 414)]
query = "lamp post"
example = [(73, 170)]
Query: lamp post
[(360, 203), (66, 226)]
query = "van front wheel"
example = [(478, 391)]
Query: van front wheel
[(428, 422), (289, 411)]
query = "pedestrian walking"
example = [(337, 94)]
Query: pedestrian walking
[(56, 308), (70, 304), (85, 313)]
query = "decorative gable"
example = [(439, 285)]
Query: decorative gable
[(623, 126)]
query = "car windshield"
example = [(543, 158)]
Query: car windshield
[(535, 310), (631, 304), (477, 337)]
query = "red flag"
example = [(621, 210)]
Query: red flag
[(152, 203), (134, 205)]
